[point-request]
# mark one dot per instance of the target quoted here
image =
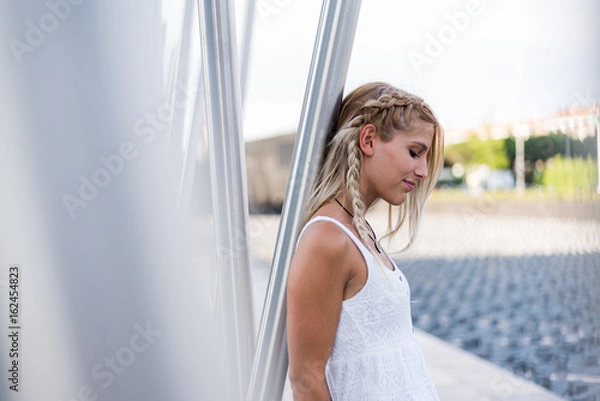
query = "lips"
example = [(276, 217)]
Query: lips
[(410, 184)]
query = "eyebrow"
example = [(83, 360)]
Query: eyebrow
[(422, 145)]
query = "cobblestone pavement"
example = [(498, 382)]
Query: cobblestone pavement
[(536, 316), (523, 293)]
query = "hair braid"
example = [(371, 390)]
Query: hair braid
[(352, 185)]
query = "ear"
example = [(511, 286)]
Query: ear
[(366, 137)]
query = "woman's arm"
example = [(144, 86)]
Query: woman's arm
[(315, 291)]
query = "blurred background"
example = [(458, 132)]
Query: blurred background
[(497, 73), (507, 262)]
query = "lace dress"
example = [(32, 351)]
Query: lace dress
[(375, 354)]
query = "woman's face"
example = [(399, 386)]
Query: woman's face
[(395, 167)]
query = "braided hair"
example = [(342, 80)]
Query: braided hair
[(390, 110)]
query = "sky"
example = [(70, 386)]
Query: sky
[(495, 61)]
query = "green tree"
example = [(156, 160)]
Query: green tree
[(477, 151), (547, 146), (570, 176)]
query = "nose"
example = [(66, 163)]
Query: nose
[(421, 169)]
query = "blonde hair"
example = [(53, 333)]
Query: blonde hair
[(389, 109)]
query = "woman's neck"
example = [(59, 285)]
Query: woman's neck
[(345, 199)]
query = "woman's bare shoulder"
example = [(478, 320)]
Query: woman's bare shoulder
[(320, 269), (324, 253), (325, 239)]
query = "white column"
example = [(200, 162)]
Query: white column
[(328, 71), (228, 179), (597, 123), (521, 132), (245, 50)]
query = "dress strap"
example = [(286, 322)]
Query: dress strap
[(363, 249)]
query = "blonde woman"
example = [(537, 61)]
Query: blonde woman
[(349, 328)]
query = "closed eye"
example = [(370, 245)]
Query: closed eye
[(414, 154)]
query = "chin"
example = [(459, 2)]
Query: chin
[(397, 200)]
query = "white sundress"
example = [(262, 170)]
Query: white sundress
[(375, 354)]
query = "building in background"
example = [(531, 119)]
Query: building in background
[(268, 160), (577, 123), (268, 167)]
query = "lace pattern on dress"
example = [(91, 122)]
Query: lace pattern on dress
[(375, 354)]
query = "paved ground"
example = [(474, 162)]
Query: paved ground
[(521, 292), (461, 376), (536, 316), (588, 207)]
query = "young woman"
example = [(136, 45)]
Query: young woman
[(349, 327)]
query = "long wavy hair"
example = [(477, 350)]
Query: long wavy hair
[(390, 110)]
